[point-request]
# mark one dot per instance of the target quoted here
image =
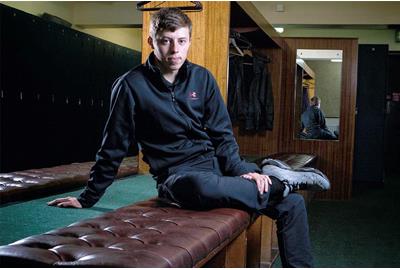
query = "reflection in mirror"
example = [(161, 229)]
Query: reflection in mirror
[(318, 87)]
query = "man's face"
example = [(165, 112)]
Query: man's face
[(171, 48)]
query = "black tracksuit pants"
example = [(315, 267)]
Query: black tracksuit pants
[(201, 185)]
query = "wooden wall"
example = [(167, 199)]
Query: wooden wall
[(210, 36), (335, 158)]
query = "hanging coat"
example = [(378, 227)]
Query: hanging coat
[(250, 99)]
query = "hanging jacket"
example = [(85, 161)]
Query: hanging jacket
[(250, 98)]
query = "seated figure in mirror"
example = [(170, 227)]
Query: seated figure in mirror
[(313, 122)]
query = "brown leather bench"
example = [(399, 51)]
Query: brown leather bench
[(146, 234), (151, 234), (32, 183)]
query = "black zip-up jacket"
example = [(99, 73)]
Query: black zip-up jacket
[(173, 123)]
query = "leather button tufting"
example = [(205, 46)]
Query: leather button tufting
[(146, 234), (24, 184)]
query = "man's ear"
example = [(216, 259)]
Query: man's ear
[(150, 41)]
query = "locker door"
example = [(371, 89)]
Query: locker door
[(370, 119)]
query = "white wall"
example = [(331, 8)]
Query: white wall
[(331, 12), (365, 20)]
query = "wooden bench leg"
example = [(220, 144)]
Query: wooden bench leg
[(232, 256), (262, 244), (274, 244)]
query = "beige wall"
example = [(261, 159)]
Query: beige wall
[(64, 10), (106, 13), (327, 85), (127, 37), (120, 34)]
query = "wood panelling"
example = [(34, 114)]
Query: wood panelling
[(335, 158)]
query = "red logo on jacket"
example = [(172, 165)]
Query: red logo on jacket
[(193, 95)]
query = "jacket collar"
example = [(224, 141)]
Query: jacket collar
[(183, 73)]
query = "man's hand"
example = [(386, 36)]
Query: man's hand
[(262, 181), (66, 202)]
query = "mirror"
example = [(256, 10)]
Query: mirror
[(318, 87)]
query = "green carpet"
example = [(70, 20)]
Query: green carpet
[(24, 219), (362, 232)]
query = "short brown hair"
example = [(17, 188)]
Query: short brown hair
[(315, 100), (169, 19)]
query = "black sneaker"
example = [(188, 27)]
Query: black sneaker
[(297, 179)]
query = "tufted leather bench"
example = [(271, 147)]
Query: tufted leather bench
[(146, 234), (27, 184), (152, 234)]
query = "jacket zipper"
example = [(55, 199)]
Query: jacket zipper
[(177, 110), (173, 96)]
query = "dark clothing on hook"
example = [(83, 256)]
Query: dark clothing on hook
[(250, 98)]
